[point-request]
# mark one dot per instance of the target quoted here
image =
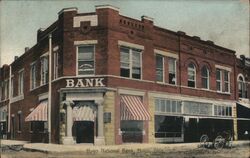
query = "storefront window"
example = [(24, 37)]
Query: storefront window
[(197, 108), (132, 130), (168, 126)]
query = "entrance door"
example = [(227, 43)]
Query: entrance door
[(12, 127), (84, 131)]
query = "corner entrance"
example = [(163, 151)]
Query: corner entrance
[(84, 131)]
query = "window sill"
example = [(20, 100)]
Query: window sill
[(168, 84), (17, 98), (226, 93)]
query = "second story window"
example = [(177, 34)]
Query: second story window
[(159, 68), (172, 70), (6, 89), (191, 75), (55, 65), (130, 62), (86, 65), (205, 77), (218, 80), (44, 70), (226, 81), (20, 82), (33, 76), (242, 87)]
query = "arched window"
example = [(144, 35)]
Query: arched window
[(191, 75), (205, 77), (242, 90)]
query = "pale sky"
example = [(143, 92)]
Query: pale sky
[(226, 22)]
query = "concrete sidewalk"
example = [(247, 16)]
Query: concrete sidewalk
[(124, 148)]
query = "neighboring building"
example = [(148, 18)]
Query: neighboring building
[(243, 104), (118, 80)]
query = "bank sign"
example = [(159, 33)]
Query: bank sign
[(84, 82)]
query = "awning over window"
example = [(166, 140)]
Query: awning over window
[(39, 113), (132, 108), (83, 113)]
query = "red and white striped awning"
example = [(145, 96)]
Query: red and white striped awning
[(132, 108), (39, 113), (83, 113)]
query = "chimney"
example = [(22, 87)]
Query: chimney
[(15, 58), (26, 49)]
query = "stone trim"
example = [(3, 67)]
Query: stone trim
[(131, 45), (166, 53), (85, 42)]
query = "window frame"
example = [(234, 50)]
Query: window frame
[(21, 82), (194, 70), (175, 70), (33, 73), (163, 68), (55, 64), (77, 59), (44, 72), (219, 80), (226, 82), (131, 65), (207, 78)]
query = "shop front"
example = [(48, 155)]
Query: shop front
[(178, 119), (133, 119), (3, 122)]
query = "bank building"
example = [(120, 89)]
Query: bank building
[(104, 78)]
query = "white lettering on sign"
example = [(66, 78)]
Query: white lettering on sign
[(88, 82)]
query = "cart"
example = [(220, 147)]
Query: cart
[(218, 141)]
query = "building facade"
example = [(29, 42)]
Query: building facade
[(118, 80)]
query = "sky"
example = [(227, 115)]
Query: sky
[(226, 22)]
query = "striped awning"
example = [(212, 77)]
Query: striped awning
[(132, 108), (39, 113), (83, 113)]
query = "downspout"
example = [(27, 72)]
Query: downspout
[(9, 115), (49, 91)]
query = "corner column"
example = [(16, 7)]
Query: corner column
[(69, 123), (100, 134)]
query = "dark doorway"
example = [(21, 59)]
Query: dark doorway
[(191, 130), (12, 127), (84, 131)]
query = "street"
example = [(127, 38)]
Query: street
[(235, 152)]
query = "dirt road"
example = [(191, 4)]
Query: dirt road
[(236, 152)]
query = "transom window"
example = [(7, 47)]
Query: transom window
[(191, 75), (205, 77), (86, 65), (167, 106), (130, 62), (220, 110)]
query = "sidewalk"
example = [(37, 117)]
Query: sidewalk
[(124, 148)]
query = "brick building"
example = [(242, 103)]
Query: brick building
[(117, 80)]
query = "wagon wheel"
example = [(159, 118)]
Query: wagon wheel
[(204, 140), (219, 142)]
